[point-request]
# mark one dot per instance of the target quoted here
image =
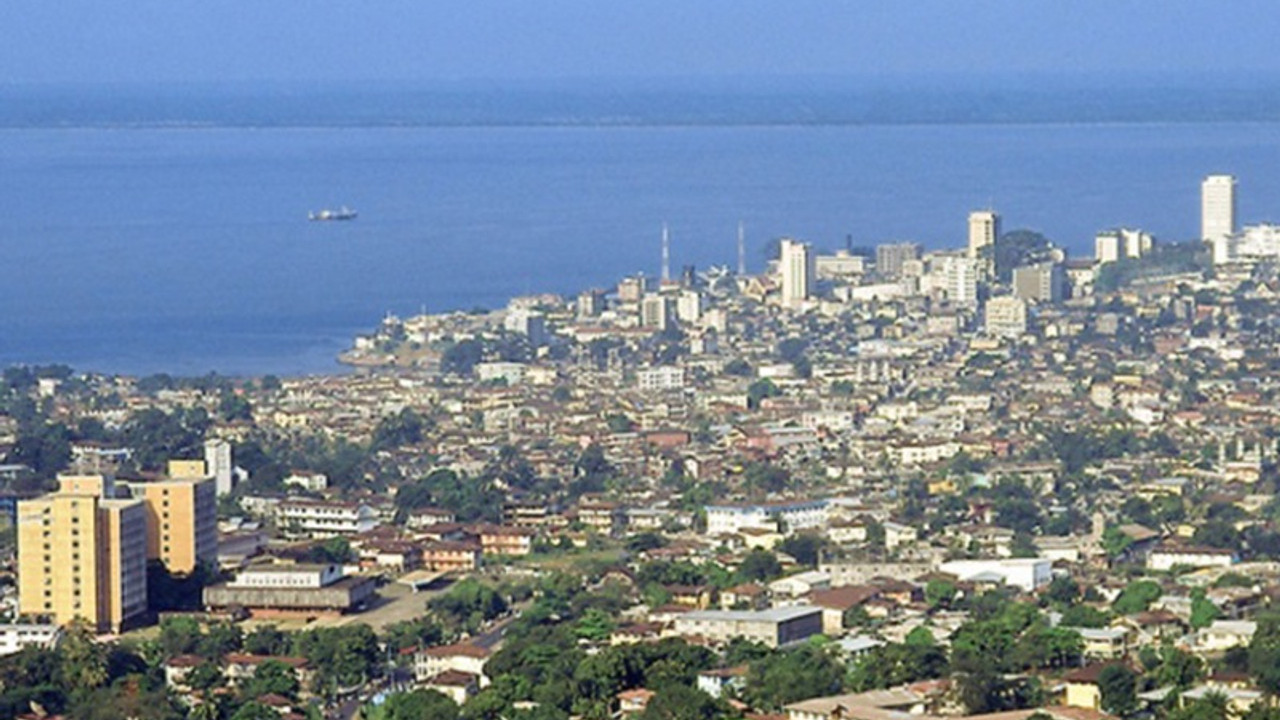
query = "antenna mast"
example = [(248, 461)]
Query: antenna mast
[(742, 250), (666, 254)]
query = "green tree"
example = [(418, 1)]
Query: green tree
[(272, 677), (759, 565), (760, 390), (1085, 616), (414, 705), (806, 548), (1203, 611), (791, 676), (1136, 597), (1264, 654), (595, 625), (255, 710), (406, 427), (939, 593), (681, 702), (1118, 686)]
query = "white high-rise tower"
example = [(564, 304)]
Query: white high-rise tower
[(984, 230), (1217, 208), (796, 266), (217, 462)]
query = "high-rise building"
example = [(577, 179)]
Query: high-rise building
[(1217, 207), (83, 555), (889, 258), (689, 306), (1042, 282), (656, 312), (529, 323), (590, 303), (984, 230), (217, 462), (796, 266), (961, 275), (182, 519)]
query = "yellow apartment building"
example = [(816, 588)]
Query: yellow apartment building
[(82, 555), (182, 517)]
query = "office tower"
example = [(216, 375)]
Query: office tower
[(1042, 282), (984, 230), (889, 258), (656, 312), (217, 462), (1217, 207), (796, 265), (82, 555), (742, 250), (590, 303)]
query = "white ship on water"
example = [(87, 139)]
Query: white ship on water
[(342, 213)]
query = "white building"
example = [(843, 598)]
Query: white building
[(306, 518), (529, 323), (689, 306), (1111, 245), (1254, 242), (1217, 207), (663, 377), (656, 312), (1220, 636), (307, 480), (791, 516), (960, 279), (1025, 573), (1006, 316), (287, 575), (513, 373), (217, 462), (796, 266), (1168, 557), (464, 657), (841, 265), (14, 637), (984, 230), (794, 586)]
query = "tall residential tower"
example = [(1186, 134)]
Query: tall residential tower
[(82, 554), (796, 266), (1217, 208)]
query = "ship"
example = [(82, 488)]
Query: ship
[(342, 213)]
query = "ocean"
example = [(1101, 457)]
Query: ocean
[(179, 243)]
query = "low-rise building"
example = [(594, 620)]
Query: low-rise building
[(316, 519), (463, 657), (1025, 573), (284, 589), (776, 627), (14, 637)]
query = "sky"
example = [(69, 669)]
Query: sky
[(317, 41)]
